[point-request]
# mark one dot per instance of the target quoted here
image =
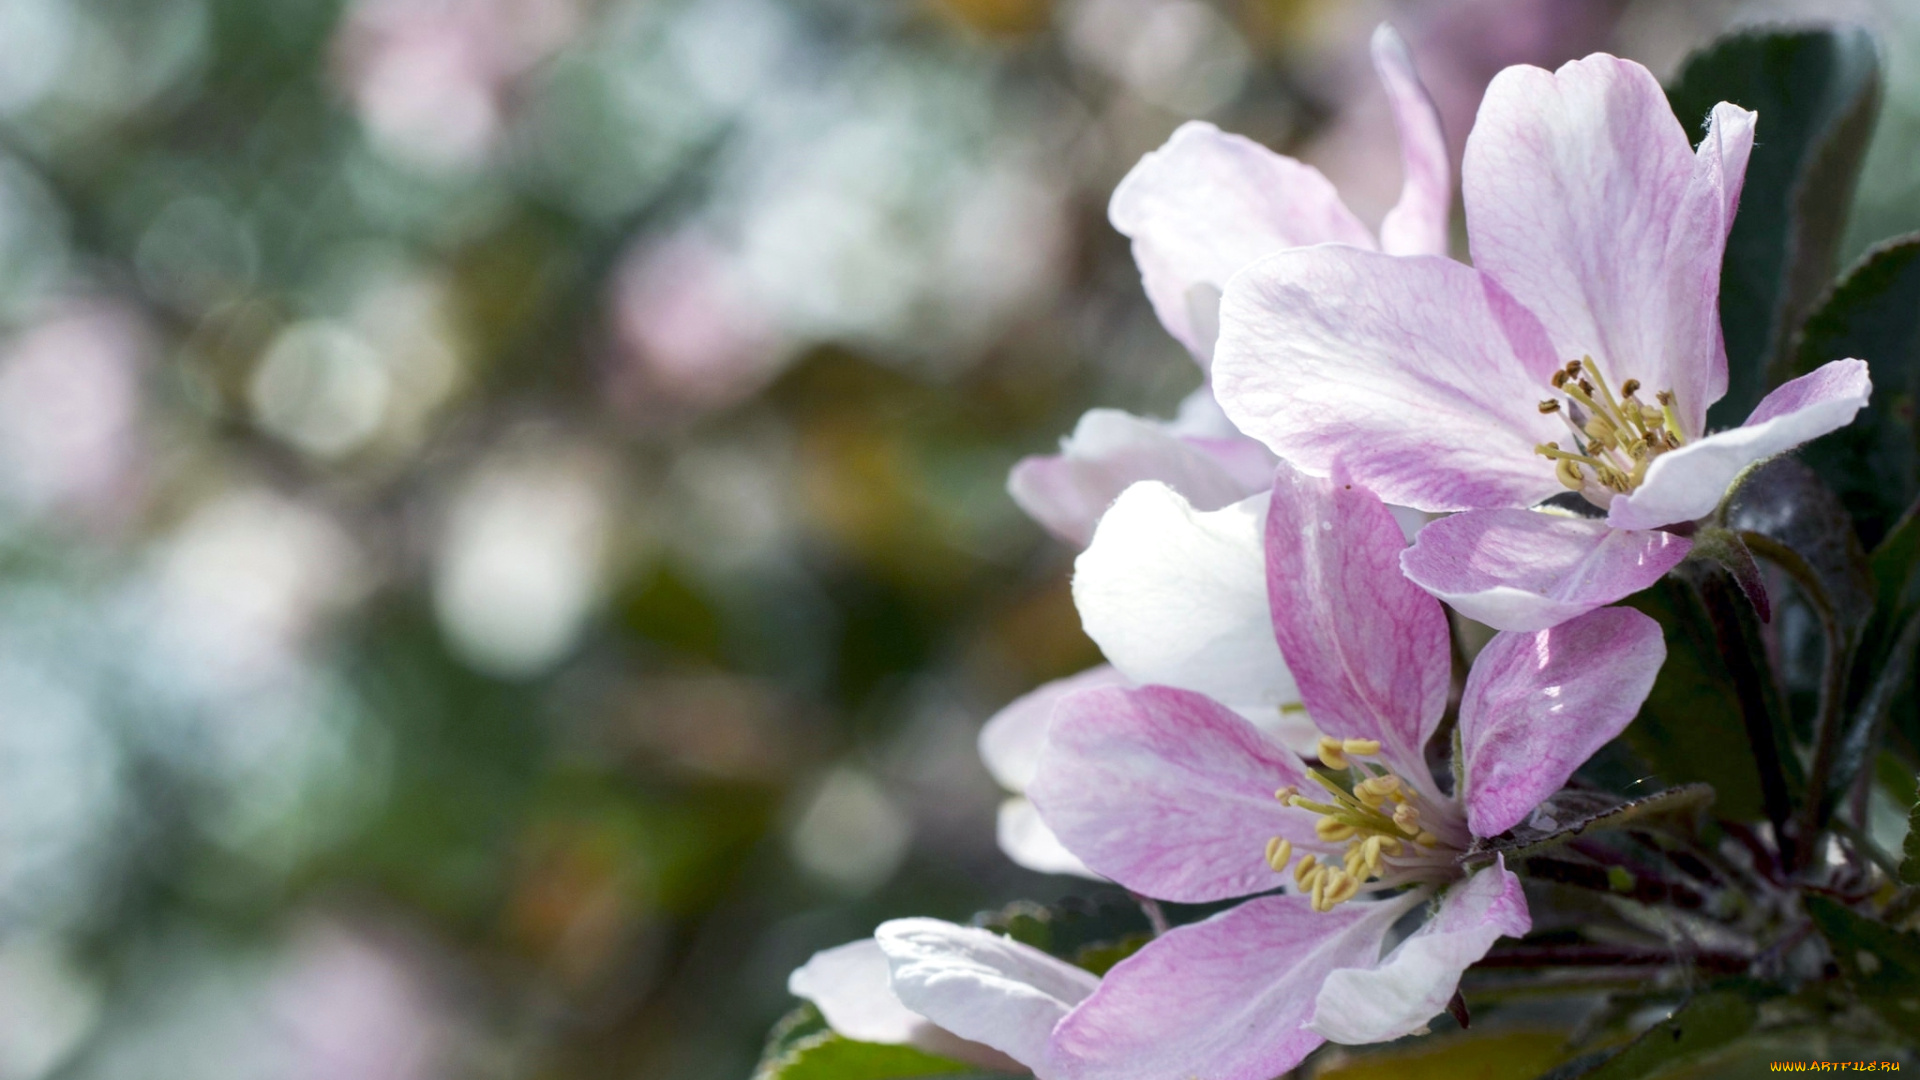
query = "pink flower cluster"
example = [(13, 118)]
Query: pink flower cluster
[(1279, 654)]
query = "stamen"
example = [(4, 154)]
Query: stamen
[(1305, 869), (1361, 747), (1616, 437), (1333, 830), (1279, 853), (1286, 794), (1331, 753)]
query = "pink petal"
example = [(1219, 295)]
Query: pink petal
[(982, 986), (1369, 649), (851, 986), (1010, 742), (1168, 793), (1110, 450), (1538, 705), (1208, 203), (1222, 999), (1024, 838), (1178, 597), (1366, 1004), (1686, 484), (1417, 224), (1417, 372), (1526, 570), (1586, 200)]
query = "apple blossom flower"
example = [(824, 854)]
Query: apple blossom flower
[(1580, 351), (1177, 797), (1197, 210)]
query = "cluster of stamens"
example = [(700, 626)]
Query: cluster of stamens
[(1614, 438), (1375, 816)]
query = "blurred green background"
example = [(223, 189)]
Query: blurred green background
[(502, 542)]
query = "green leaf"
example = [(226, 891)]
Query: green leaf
[(1788, 516), (1092, 933), (1910, 860), (1873, 314), (823, 1055), (1576, 813), (1817, 92), (1693, 728), (1880, 963), (1705, 1023)]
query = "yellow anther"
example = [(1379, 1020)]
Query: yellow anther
[(1371, 852), (1286, 794), (1601, 430), (1406, 817), (1279, 853), (1549, 407), (1569, 475), (1330, 753), (1629, 388), (1333, 831), (1338, 888), (1361, 747), (1304, 868), (1427, 839)]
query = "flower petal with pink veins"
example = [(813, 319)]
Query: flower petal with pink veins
[(1367, 1003), (1169, 793), (1110, 450), (1586, 200), (982, 986), (1208, 203), (1687, 483), (1418, 373), (1026, 840), (1417, 224), (1177, 596), (1010, 742), (1369, 649), (1526, 570), (1536, 706), (1223, 999)]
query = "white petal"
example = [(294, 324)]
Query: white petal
[(850, 986), (1026, 840), (1686, 484), (1178, 597), (1109, 450), (982, 986), (1414, 982)]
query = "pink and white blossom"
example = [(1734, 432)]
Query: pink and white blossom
[(1198, 210), (1173, 795), (1580, 350)]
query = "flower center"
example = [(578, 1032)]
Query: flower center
[(1374, 811), (1614, 438)]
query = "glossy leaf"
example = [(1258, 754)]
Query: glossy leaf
[(1817, 91), (1501, 1055), (1693, 728), (1704, 1024), (1576, 813), (1910, 853), (1873, 314), (1880, 963), (824, 1055), (1788, 516)]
